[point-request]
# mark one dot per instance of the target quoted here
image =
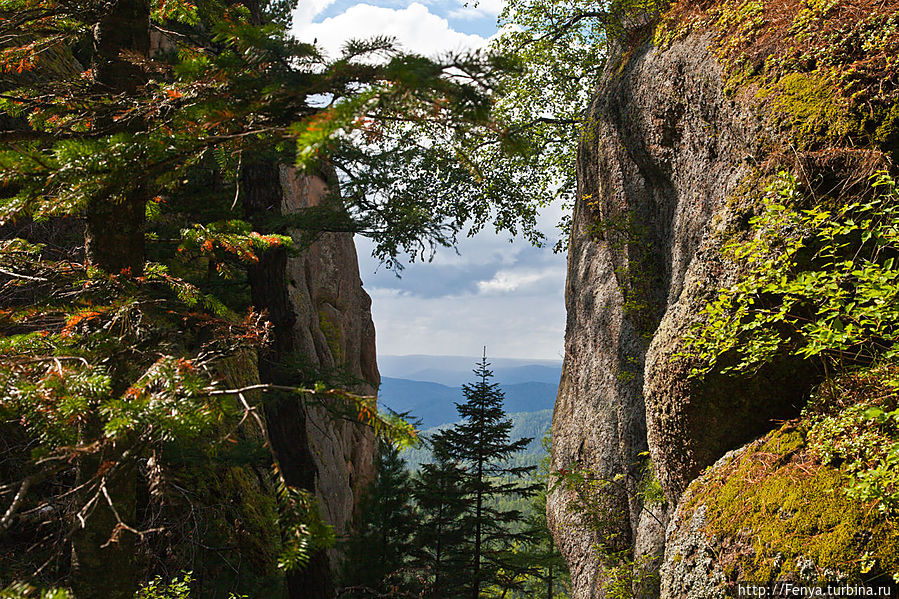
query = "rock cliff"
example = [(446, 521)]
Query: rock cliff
[(335, 332), (322, 333), (332, 339), (691, 119)]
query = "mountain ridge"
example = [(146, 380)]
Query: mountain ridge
[(434, 404)]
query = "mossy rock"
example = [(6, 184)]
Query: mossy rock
[(810, 108), (825, 74), (770, 512)]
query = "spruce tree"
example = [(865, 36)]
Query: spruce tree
[(534, 568), (480, 444), (379, 547), (442, 531), (546, 572)]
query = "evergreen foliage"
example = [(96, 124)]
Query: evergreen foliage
[(114, 342), (377, 554), (481, 446), (536, 568), (442, 533), (457, 516)]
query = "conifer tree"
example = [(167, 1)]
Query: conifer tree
[(545, 568), (442, 532), (379, 548), (481, 446), (535, 568)]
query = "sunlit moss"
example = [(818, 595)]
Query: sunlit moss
[(778, 513)]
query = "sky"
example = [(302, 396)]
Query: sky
[(506, 296)]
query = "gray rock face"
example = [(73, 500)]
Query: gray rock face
[(665, 151), (690, 569), (334, 332)]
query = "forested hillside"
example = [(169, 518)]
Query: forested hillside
[(533, 425), (433, 404), (468, 521)]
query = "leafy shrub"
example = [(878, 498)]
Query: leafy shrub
[(820, 283)]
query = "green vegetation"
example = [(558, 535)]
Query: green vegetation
[(533, 425), (178, 587), (561, 49), (377, 553), (476, 525), (788, 513), (820, 283), (822, 70), (480, 444), (141, 207), (809, 106), (624, 575), (854, 424)]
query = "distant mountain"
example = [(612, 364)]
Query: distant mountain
[(432, 403), (435, 404), (524, 424), (532, 373), (453, 371)]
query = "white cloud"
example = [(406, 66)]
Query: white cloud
[(307, 10), (510, 325), (508, 297), (522, 280), (478, 10), (416, 28), (514, 308)]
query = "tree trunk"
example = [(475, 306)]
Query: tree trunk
[(285, 416), (476, 578), (102, 551), (114, 234), (123, 31), (115, 227)]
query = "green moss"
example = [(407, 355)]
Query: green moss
[(810, 107), (778, 512), (887, 132), (672, 28), (255, 532), (825, 73), (808, 20), (333, 335), (785, 444), (742, 21)]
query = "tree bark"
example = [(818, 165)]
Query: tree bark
[(115, 226), (114, 234), (103, 551), (285, 415)]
